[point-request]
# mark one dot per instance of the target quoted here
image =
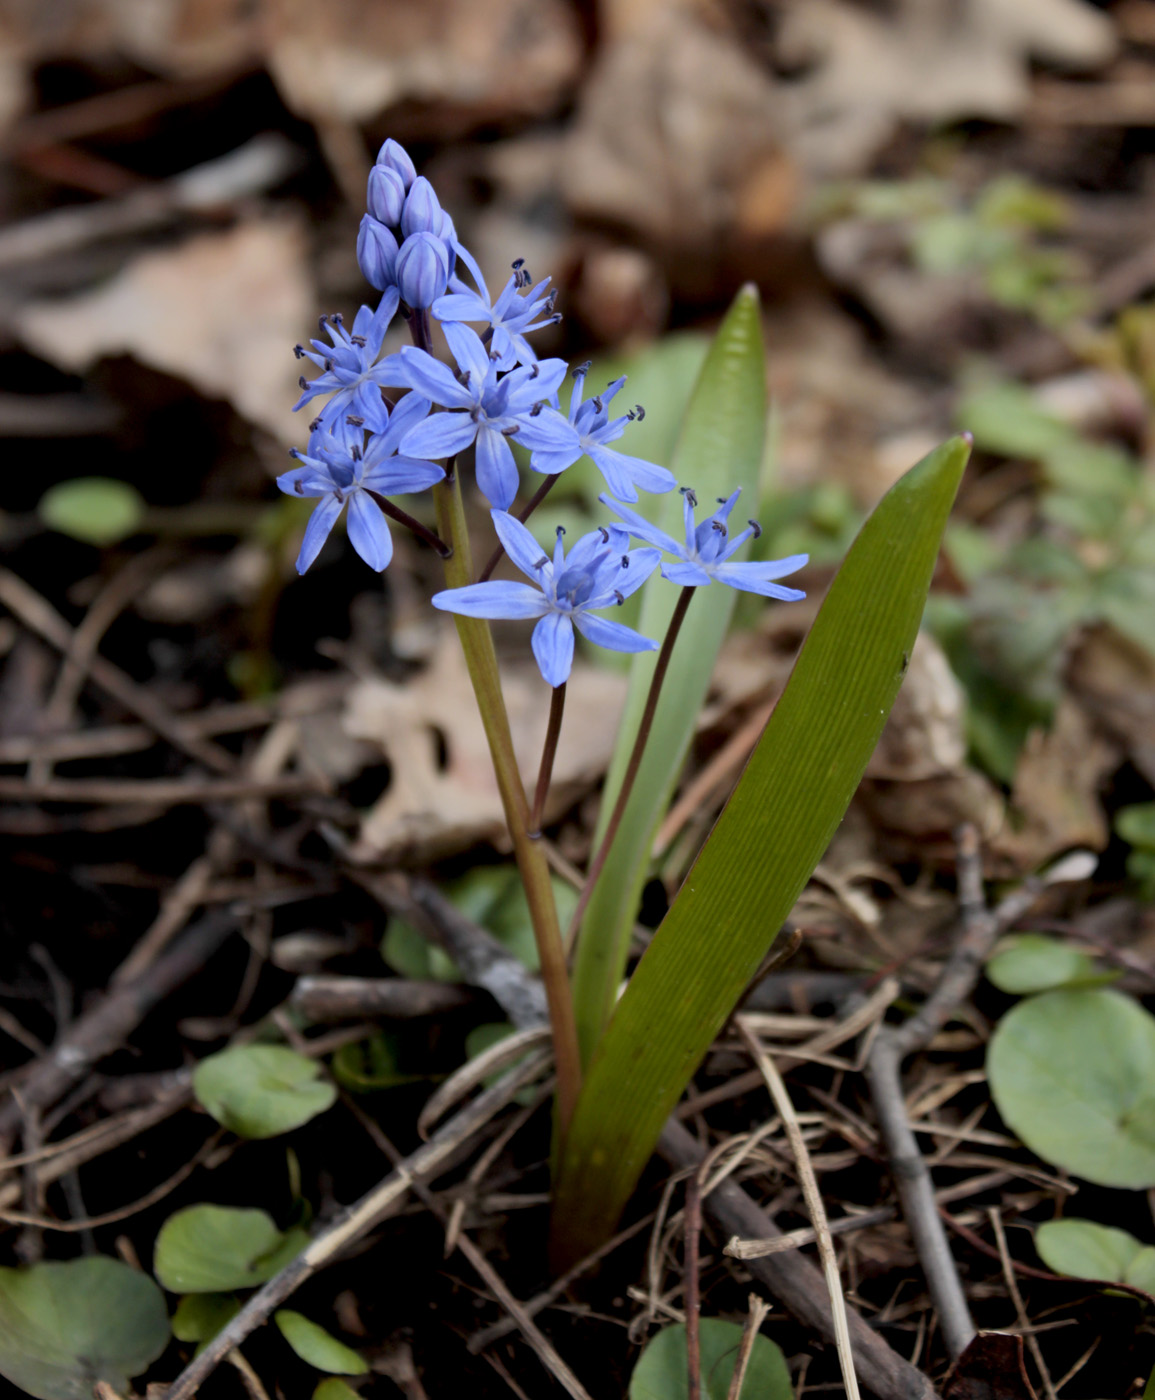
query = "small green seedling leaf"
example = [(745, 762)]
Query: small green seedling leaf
[(200, 1316), (65, 1326), (1031, 962), (94, 509), (1073, 1075), (213, 1249), (775, 828), (366, 1066), (316, 1346), (335, 1389), (1085, 1249), (259, 1091), (662, 1372)]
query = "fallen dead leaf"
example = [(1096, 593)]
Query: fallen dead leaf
[(924, 735), (221, 310), (442, 796), (1115, 681)]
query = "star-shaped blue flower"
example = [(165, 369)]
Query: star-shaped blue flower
[(349, 367), (705, 556), (565, 592), (510, 318), (495, 408), (557, 441), (339, 469)]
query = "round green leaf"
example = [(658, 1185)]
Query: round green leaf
[(94, 509), (212, 1249), (1084, 1249), (1032, 962), (200, 1316), (261, 1090), (661, 1371), (335, 1389), (64, 1326), (316, 1346), (1073, 1074)]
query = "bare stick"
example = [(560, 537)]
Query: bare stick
[(352, 1224), (328, 998), (814, 1206), (980, 929), (158, 792), (754, 1320), (549, 749), (693, 1228), (523, 515), (644, 726)]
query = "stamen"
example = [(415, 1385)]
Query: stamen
[(517, 264), (328, 366), (640, 411), (719, 525), (597, 403), (323, 322), (579, 371), (356, 454), (299, 351), (355, 421), (535, 371), (298, 488), (537, 408), (753, 524), (690, 495), (465, 376), (542, 562), (511, 432), (721, 500), (551, 300), (625, 561), (303, 382), (605, 534), (337, 319), (560, 531), (359, 341), (620, 597)]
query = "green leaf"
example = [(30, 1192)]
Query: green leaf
[(259, 1091), (316, 1346), (200, 1316), (774, 830), (1073, 1075), (213, 1249), (1007, 419), (661, 1372), (1032, 962), (364, 1066), (1084, 1249), (95, 509), (335, 1389), (720, 448), (64, 1326)]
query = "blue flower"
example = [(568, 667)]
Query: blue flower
[(349, 368), (557, 442), (564, 593), (376, 253), (422, 269), (339, 468), (705, 556), (510, 317), (394, 156), (495, 408)]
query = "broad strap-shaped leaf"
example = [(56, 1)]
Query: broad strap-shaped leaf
[(774, 830), (720, 447)]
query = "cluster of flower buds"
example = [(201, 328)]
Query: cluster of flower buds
[(364, 447), (406, 240)]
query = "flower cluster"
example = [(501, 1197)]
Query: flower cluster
[(365, 447)]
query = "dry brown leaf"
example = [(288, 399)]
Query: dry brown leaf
[(221, 310), (924, 734), (348, 60), (1115, 681), (433, 806)]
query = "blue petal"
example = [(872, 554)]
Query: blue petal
[(552, 643), (755, 582), (496, 470), (440, 435), (642, 564), (770, 568), (519, 544), (648, 475), (322, 520), (305, 481), (433, 379), (641, 528), (613, 635), (461, 306), (549, 431), (688, 575), (412, 409), (369, 531), (397, 476), (470, 354), (495, 598), (527, 388)]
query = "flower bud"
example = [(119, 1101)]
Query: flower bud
[(386, 195), (394, 156), (377, 253), (422, 270), (422, 212)]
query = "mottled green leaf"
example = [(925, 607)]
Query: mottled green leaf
[(259, 1091), (213, 1249)]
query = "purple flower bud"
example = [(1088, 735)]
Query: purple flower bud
[(422, 212), (394, 156), (422, 269), (377, 253), (386, 195)]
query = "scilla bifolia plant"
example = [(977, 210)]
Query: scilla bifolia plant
[(397, 424)]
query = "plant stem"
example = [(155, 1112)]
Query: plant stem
[(402, 517), (523, 515), (549, 749), (481, 660), (647, 720)]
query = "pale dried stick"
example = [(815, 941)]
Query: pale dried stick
[(814, 1206), (1017, 1298), (754, 1320), (351, 1225)]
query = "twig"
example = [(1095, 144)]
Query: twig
[(692, 1224), (980, 929), (1017, 1298), (814, 1206), (754, 1320), (156, 792), (105, 1028), (328, 998), (352, 1224)]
